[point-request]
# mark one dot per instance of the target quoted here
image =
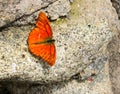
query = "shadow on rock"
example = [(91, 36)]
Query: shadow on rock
[(114, 62)]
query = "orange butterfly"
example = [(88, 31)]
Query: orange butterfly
[(40, 40)]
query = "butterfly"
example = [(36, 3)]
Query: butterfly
[(40, 42)]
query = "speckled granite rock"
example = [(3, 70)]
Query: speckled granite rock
[(81, 40), (82, 44), (114, 63), (26, 10), (59, 8), (116, 4)]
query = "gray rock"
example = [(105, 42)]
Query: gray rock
[(114, 63), (116, 4), (80, 41), (22, 12), (82, 48), (59, 8)]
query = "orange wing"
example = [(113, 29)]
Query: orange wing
[(43, 24), (37, 40), (46, 51)]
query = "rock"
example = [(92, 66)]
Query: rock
[(81, 40), (114, 63), (20, 12), (59, 8), (81, 44), (114, 50), (116, 4)]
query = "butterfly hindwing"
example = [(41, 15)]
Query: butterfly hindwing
[(46, 52)]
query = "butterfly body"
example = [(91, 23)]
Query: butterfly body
[(40, 40), (47, 41)]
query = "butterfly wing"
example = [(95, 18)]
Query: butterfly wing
[(43, 24), (37, 37), (46, 51)]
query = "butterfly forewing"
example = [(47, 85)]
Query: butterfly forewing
[(37, 35), (43, 23)]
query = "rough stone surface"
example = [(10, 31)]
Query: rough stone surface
[(82, 47), (114, 49), (116, 4), (59, 8), (22, 12), (89, 36), (114, 61)]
